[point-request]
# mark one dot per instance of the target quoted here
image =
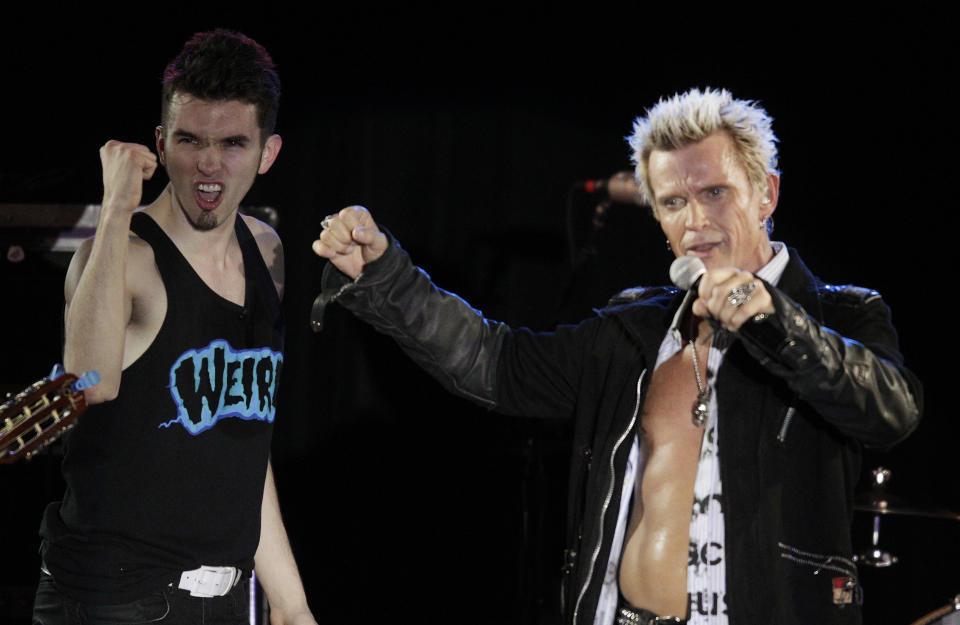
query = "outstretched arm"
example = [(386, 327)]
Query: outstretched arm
[(512, 371), (275, 565)]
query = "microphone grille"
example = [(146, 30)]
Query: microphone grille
[(685, 270)]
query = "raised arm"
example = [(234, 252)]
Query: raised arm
[(98, 302)]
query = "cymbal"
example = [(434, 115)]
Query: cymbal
[(879, 502)]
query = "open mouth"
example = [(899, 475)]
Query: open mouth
[(209, 194), (701, 249)]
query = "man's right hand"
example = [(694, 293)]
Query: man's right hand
[(350, 239), (125, 167)]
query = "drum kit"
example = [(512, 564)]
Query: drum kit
[(877, 501)]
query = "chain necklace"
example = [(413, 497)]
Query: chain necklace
[(701, 406)]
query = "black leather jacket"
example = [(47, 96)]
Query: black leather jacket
[(796, 402)]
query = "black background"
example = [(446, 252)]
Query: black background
[(463, 130)]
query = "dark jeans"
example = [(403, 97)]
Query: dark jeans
[(170, 606)]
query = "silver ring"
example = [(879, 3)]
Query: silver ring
[(326, 221), (741, 294)]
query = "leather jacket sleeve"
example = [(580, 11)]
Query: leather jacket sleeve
[(856, 382), (441, 332), (455, 344)]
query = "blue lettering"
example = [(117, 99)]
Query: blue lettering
[(217, 382)]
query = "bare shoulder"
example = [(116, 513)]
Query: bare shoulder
[(271, 248), (262, 232), (140, 269)]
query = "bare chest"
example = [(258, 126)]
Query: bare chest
[(654, 559), (667, 418), (226, 279)]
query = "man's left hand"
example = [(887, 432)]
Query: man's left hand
[(732, 297)]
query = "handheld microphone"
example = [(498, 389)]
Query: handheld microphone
[(686, 271)]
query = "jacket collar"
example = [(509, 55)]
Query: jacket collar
[(802, 286)]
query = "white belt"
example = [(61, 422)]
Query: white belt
[(210, 581)]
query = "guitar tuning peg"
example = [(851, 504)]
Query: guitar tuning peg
[(56, 372), (88, 379)]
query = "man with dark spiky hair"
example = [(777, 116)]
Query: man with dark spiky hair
[(170, 501)]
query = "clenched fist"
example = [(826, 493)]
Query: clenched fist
[(731, 296), (350, 239), (125, 167)]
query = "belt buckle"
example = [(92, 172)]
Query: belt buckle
[(209, 581)]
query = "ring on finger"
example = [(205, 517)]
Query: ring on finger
[(738, 296), (326, 221)]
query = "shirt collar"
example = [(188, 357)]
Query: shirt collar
[(773, 270)]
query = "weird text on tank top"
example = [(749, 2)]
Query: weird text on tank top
[(217, 382)]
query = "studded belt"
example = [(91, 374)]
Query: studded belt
[(629, 615)]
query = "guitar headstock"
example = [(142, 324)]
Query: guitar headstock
[(38, 415)]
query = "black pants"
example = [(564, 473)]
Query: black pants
[(170, 606)]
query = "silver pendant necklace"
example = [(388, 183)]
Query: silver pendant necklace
[(701, 406)]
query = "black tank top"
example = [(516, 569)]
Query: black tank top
[(169, 475)]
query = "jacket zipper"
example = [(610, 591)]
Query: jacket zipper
[(348, 285), (818, 560), (608, 498), (782, 436)]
